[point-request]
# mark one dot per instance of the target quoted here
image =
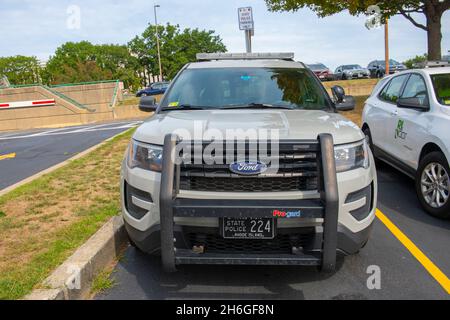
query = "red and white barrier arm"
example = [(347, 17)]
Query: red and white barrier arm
[(27, 104)]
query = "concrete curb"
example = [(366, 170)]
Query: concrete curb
[(57, 166), (73, 279)]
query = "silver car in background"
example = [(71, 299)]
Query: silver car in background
[(351, 71)]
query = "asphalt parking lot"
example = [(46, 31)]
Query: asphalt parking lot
[(23, 154), (423, 275)]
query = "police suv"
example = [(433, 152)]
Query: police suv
[(407, 120), (246, 161)]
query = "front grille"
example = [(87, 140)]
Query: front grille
[(246, 184), (282, 243), (297, 170)]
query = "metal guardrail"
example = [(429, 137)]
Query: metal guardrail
[(68, 99), (61, 85), (82, 83), (114, 97)]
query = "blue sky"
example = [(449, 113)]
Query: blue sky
[(38, 27)]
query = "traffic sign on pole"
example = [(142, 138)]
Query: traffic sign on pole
[(245, 18)]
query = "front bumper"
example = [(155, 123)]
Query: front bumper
[(348, 243), (328, 217)]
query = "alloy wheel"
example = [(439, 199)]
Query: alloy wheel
[(435, 184)]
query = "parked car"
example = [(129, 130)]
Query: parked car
[(351, 71), (154, 89), (377, 68), (185, 199), (321, 71), (407, 120)]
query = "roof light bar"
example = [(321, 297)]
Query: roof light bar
[(432, 64), (245, 56)]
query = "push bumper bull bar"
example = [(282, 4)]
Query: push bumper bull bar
[(326, 207)]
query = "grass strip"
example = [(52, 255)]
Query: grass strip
[(43, 222)]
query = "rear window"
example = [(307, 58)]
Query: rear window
[(441, 84), (225, 87)]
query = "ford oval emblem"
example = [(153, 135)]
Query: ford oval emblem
[(248, 168)]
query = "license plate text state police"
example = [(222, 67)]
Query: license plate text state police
[(248, 228)]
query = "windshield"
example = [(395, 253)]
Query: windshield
[(352, 67), (441, 84), (317, 66), (227, 87)]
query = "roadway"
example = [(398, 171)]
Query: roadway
[(25, 153), (402, 275)]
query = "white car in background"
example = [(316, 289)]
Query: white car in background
[(407, 122)]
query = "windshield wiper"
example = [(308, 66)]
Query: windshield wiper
[(257, 106), (184, 107)]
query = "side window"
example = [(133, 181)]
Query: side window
[(415, 88), (391, 92)]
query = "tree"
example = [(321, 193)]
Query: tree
[(177, 48), (417, 59), (72, 61), (82, 71), (432, 9), (20, 69)]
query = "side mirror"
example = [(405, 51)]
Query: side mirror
[(148, 104), (343, 102), (417, 103)]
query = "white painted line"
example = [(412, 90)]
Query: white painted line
[(56, 132), (57, 166)]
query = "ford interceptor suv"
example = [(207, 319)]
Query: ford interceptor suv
[(316, 203)]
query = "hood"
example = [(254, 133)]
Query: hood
[(397, 66), (357, 70), (321, 70), (291, 124)]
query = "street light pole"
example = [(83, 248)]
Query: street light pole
[(386, 46), (157, 42)]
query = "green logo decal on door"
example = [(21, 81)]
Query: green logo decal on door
[(399, 133)]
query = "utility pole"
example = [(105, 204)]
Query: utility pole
[(386, 46), (157, 42)]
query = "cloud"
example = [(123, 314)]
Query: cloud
[(38, 27)]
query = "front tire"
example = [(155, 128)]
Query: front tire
[(433, 184), (368, 135)]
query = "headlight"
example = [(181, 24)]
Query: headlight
[(351, 156), (144, 156)]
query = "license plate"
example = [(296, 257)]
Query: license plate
[(248, 228)]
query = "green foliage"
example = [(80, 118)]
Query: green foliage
[(177, 48), (133, 63), (20, 69), (417, 59), (325, 7), (432, 9), (83, 61)]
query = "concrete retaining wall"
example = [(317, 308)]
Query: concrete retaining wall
[(95, 97)]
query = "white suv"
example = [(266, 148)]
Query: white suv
[(301, 197), (407, 120)]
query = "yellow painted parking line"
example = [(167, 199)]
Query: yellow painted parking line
[(434, 271), (7, 156)]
